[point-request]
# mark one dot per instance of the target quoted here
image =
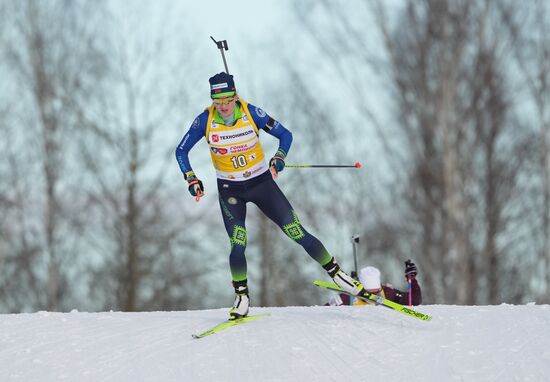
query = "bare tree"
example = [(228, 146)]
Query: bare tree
[(19, 251), (529, 30), (146, 261), (20, 284), (44, 54), (453, 146)]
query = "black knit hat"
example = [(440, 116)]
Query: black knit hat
[(222, 85)]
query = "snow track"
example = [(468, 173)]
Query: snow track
[(473, 343)]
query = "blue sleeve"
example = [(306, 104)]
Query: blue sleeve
[(272, 127), (193, 135)]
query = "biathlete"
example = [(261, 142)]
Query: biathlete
[(231, 127)]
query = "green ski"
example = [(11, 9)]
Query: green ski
[(378, 300), (228, 324)]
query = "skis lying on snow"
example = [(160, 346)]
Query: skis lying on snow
[(378, 300), (228, 324)]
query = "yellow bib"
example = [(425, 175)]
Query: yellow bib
[(236, 151)]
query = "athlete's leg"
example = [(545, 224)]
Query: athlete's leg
[(274, 204), (234, 216), (271, 200)]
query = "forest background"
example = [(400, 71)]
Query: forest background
[(445, 103)]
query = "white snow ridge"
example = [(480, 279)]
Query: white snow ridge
[(364, 343)]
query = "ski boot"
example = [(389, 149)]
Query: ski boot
[(242, 302), (343, 280)]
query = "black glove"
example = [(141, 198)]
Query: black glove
[(195, 185), (277, 163), (410, 269)]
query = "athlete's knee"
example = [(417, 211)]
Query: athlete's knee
[(294, 229), (238, 236)]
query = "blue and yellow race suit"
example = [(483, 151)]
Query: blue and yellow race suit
[(243, 176)]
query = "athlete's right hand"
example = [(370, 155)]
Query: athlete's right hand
[(195, 185)]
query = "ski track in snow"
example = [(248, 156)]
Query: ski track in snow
[(368, 343)]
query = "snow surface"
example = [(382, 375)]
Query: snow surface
[(364, 343)]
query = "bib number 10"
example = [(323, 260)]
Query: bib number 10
[(239, 161)]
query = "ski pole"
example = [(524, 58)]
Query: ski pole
[(355, 242), (356, 165), (409, 286), (222, 45)]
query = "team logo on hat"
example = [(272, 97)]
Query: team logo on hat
[(219, 86)]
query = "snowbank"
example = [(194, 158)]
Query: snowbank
[(461, 343)]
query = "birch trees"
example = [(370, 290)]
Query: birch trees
[(455, 144)]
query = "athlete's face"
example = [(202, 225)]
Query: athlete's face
[(225, 106)]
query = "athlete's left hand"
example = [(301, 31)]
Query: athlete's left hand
[(410, 269), (276, 165)]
